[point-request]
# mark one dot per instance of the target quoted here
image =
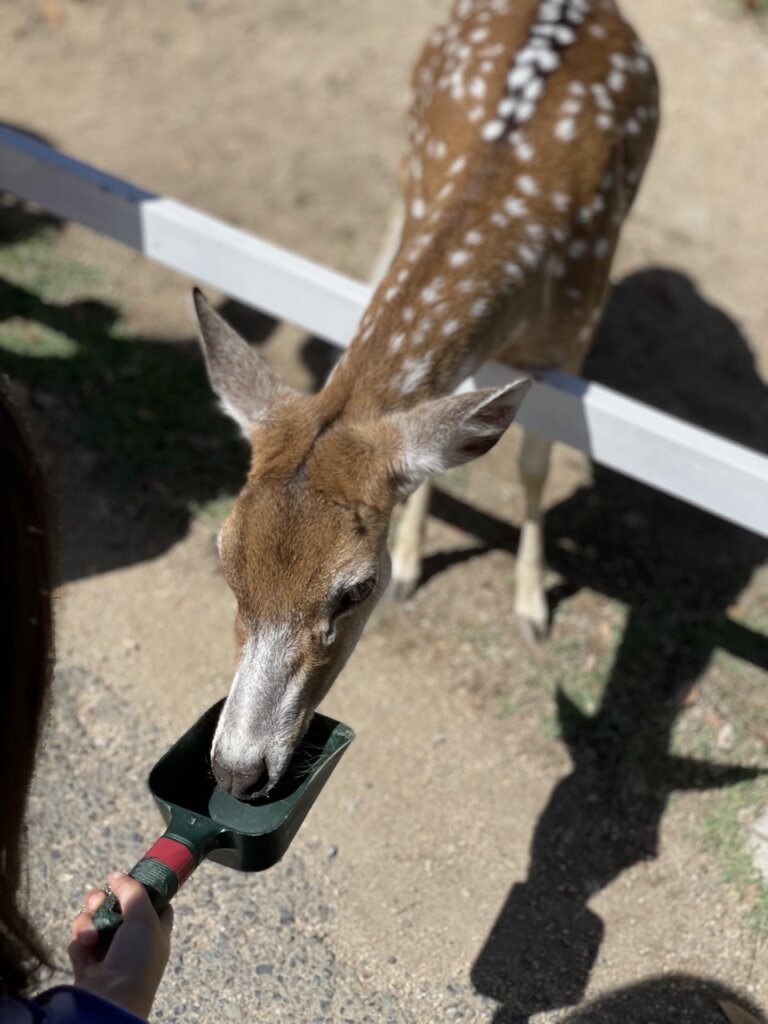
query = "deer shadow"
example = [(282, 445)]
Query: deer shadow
[(678, 571)]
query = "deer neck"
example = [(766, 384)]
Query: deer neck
[(431, 321)]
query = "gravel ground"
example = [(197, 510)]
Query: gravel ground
[(272, 926), (240, 941), (246, 946)]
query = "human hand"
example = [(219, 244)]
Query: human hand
[(129, 971)]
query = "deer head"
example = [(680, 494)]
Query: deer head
[(304, 547)]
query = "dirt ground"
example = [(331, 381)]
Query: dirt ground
[(539, 821)]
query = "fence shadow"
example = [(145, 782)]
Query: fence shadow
[(678, 571)]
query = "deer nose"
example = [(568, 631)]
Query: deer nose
[(243, 784)]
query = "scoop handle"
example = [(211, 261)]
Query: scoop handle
[(162, 871)]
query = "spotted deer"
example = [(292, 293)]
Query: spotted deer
[(530, 127)]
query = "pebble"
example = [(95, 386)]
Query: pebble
[(286, 915), (758, 844), (726, 738)]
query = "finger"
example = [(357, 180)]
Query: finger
[(83, 931), (134, 900), (93, 900), (82, 957)]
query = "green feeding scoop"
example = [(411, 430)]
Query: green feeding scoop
[(205, 822)]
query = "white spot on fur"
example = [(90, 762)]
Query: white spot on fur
[(602, 99), (458, 257), (458, 165), (602, 248), (556, 266), (528, 254), (560, 201), (565, 129), (519, 76), (513, 272), (535, 232), (492, 130), (479, 308), (523, 151), (418, 208), (515, 207), (468, 285), (572, 107), (524, 112), (533, 90), (477, 88)]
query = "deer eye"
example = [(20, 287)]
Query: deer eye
[(355, 595)]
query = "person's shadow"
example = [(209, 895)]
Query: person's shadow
[(678, 571), (673, 999)]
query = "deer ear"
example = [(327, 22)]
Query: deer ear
[(245, 385), (447, 432)]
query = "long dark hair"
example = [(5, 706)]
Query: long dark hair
[(26, 652)]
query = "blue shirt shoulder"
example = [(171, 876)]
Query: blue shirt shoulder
[(64, 1004)]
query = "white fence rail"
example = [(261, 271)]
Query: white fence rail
[(693, 464)]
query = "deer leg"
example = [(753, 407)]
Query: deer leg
[(531, 605), (406, 554)]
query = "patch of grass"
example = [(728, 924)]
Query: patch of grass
[(213, 512), (347, 233), (454, 481), (758, 8), (35, 263), (36, 341), (723, 834), (478, 640), (580, 670)]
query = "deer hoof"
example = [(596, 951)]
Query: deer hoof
[(532, 613), (532, 632)]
